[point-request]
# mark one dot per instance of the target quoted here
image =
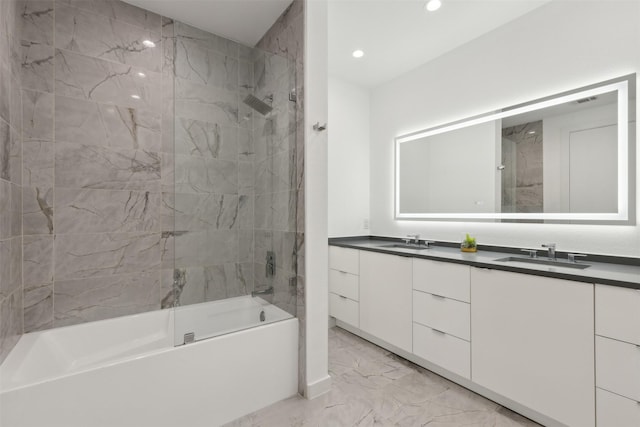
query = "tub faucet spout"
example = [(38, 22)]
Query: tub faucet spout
[(268, 291)]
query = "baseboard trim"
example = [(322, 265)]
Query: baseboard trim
[(318, 388)]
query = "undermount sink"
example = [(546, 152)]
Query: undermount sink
[(557, 263), (403, 246)]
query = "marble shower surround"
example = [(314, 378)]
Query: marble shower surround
[(119, 191), (11, 284), (93, 170)]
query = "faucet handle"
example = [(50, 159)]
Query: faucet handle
[(572, 257), (533, 253), (549, 245)]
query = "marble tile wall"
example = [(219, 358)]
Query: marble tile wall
[(11, 287), (92, 101), (286, 38), (141, 180)]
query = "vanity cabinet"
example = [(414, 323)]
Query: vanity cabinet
[(385, 298), (344, 284), (441, 315), (532, 341), (617, 356)]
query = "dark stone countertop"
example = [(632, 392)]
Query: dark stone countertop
[(615, 271)]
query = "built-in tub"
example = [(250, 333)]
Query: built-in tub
[(126, 371)]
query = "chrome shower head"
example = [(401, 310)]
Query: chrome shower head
[(259, 105)]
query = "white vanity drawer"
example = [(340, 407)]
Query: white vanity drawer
[(442, 278), (618, 367), (344, 259), (345, 284), (344, 309), (442, 349), (618, 313), (444, 314), (616, 411)]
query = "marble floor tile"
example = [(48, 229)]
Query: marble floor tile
[(373, 387)]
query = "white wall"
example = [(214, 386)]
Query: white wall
[(315, 181), (349, 158), (560, 46)]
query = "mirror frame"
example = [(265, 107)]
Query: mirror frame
[(624, 86)]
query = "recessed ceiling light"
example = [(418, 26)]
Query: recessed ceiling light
[(531, 132), (142, 74), (135, 96), (149, 43), (358, 53), (433, 5)]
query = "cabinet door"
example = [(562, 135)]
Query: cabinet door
[(532, 341), (385, 298)]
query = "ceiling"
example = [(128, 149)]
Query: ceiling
[(244, 21), (396, 35), (399, 35)]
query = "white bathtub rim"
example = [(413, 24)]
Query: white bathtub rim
[(30, 337)]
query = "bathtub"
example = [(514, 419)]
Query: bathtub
[(126, 372)]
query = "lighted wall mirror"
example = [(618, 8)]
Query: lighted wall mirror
[(564, 158)]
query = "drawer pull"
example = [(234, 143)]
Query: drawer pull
[(342, 297), (342, 271), (438, 331), (438, 296)]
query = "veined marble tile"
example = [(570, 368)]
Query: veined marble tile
[(37, 113), (95, 79), (86, 166), (37, 66), (206, 139), (11, 314), (38, 259), (37, 20), (5, 209), (106, 125), (192, 212), (246, 149), (245, 246), (276, 173), (15, 157), (206, 103), (37, 215), (5, 268), (38, 307), (5, 90), (276, 211), (200, 248), (89, 299), (272, 135), (201, 175), (5, 150), (118, 10), (98, 211), (225, 281), (16, 211), (98, 36), (206, 40), (104, 254), (204, 66), (246, 212), (15, 103), (246, 178)]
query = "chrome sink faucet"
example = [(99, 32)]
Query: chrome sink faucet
[(415, 237), (551, 247)]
